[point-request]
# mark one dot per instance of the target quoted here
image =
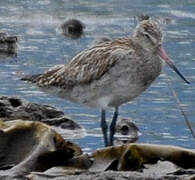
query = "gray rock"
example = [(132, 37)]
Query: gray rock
[(8, 45), (58, 174), (13, 107), (72, 28)]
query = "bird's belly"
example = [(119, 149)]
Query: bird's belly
[(100, 95), (125, 94), (111, 90), (111, 95)]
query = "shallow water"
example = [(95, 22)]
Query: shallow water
[(40, 46)]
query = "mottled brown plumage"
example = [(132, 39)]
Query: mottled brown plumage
[(110, 73), (87, 66)]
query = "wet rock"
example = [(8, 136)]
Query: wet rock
[(135, 156), (8, 45), (72, 28), (126, 131), (139, 161), (13, 107), (27, 146), (33, 150)]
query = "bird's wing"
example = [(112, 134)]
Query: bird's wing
[(35, 78), (86, 66)]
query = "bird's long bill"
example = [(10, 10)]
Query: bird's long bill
[(162, 53)]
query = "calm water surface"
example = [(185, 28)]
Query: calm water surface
[(41, 46)]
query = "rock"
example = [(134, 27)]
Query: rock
[(63, 122), (72, 28), (8, 45), (59, 173), (135, 156), (139, 161), (27, 146), (13, 107), (34, 150), (126, 131)]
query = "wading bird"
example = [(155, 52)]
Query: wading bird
[(111, 73)]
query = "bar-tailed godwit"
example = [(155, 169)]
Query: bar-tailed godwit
[(111, 73)]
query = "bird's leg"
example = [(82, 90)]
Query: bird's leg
[(104, 126), (112, 126)]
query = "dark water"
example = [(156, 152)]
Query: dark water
[(41, 46)]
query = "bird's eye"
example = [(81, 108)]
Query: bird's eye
[(147, 36)]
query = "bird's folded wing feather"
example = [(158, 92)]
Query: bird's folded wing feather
[(85, 67)]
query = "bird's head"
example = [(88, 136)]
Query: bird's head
[(149, 35), (149, 32)]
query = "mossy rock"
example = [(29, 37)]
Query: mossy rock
[(27, 146)]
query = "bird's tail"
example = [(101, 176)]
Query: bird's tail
[(31, 78)]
